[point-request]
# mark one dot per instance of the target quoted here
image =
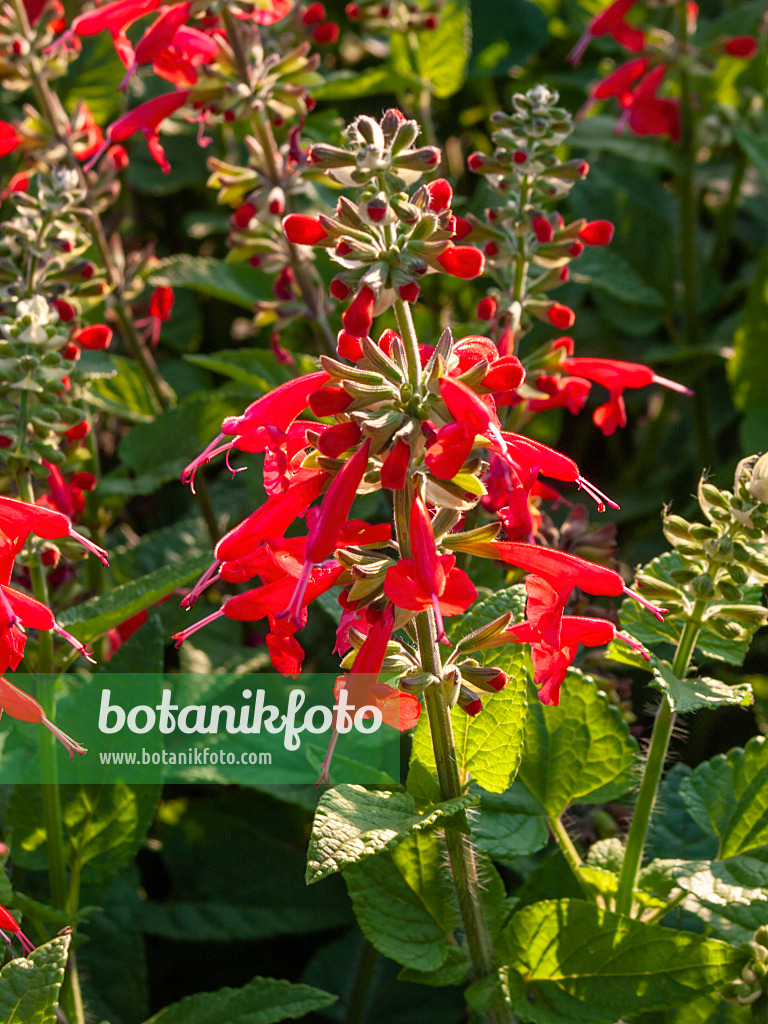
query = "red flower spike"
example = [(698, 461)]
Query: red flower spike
[(302, 230), (394, 469), (740, 46), (322, 538), (95, 338), (358, 317), (8, 924), (462, 261), (23, 708), (440, 195), (597, 232)]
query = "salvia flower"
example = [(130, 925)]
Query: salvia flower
[(21, 706), (8, 923)]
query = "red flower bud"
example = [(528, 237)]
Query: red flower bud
[(329, 401), (597, 232), (358, 317), (244, 214), (387, 340), (542, 229), (486, 308), (740, 46), (409, 292), (301, 230), (461, 228), (491, 249), (440, 195), (348, 346), (394, 469), (338, 439), (462, 261), (475, 161), (65, 310), (312, 14), (338, 289), (520, 157), (561, 316), (352, 11), (576, 249), (343, 248), (78, 432), (327, 33), (95, 338)]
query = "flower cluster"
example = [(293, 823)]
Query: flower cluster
[(418, 421), (636, 84)]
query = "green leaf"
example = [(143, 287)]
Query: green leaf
[(236, 283), (579, 751), (755, 147), (488, 608), (261, 1001), (163, 447), (352, 822), (393, 917), (729, 795), (510, 824), (254, 367), (648, 630), (748, 366), (29, 986), (93, 618), (488, 745), (504, 35), (442, 54), (352, 85), (691, 694), (598, 133), (609, 272), (673, 832), (568, 961), (124, 393)]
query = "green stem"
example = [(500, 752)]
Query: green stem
[(728, 212), (404, 319), (687, 197), (657, 752), (358, 997), (569, 851), (48, 765)]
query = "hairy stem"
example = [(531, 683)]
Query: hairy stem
[(657, 752)]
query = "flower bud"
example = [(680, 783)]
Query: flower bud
[(597, 232), (486, 308), (462, 261), (302, 230)]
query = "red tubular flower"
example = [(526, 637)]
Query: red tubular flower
[(18, 519), (470, 410), (399, 710), (8, 924), (617, 376), (462, 261), (322, 538), (147, 118), (597, 232), (358, 317), (437, 581), (336, 440), (157, 38), (550, 664), (9, 138), (610, 22), (533, 457), (21, 706), (189, 49), (302, 230), (67, 496), (619, 82), (114, 18), (449, 451)]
